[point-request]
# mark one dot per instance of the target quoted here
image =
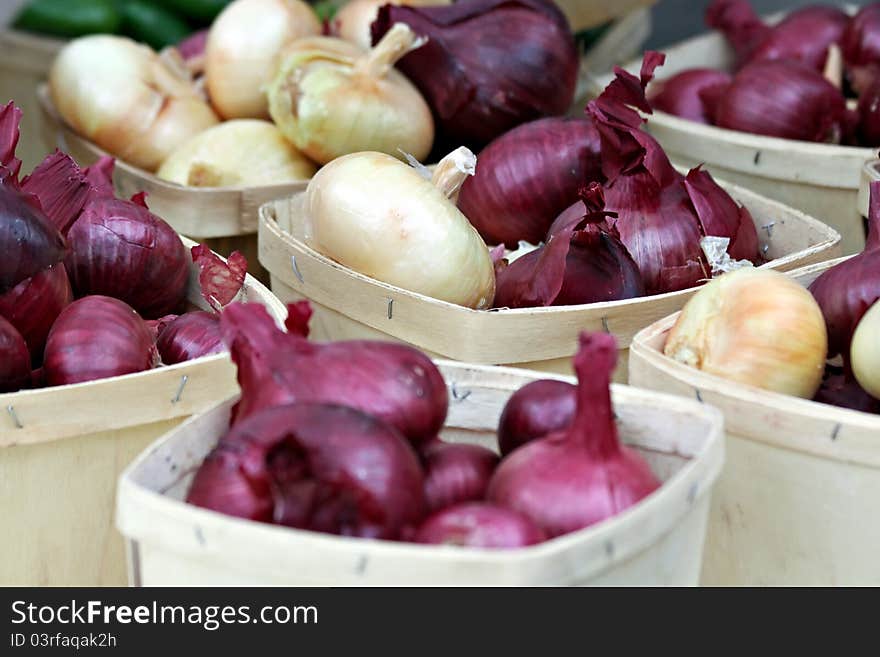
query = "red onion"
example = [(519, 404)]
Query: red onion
[(527, 176), (478, 85), (479, 525), (393, 382), (121, 249), (582, 475), (534, 411), (683, 94), (846, 291), (840, 388), (190, 336), (33, 305), (869, 114), (861, 47), (804, 35), (97, 337), (455, 473), (784, 99), (220, 281), (314, 466), (583, 263), (15, 361)]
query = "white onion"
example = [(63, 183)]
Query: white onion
[(352, 22), (243, 44), (126, 98), (237, 153), (382, 218), (865, 351)]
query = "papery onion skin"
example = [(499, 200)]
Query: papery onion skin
[(123, 97), (477, 84), (455, 473), (352, 21), (97, 337), (220, 281), (237, 153), (10, 120), (753, 326), (680, 94), (479, 525), (62, 188), (582, 475), (314, 466), (33, 305), (860, 47), (393, 382), (534, 411), (15, 361), (865, 351), (242, 46), (119, 248), (527, 176), (192, 335), (380, 217)]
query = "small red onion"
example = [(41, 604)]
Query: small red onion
[(121, 249), (192, 335), (455, 473), (33, 305), (314, 466), (840, 388), (97, 337), (582, 475), (861, 47), (739, 23), (869, 114), (15, 361), (683, 94), (479, 525), (534, 411), (527, 176)]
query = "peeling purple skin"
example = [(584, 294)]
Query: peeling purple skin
[(534, 411), (189, 336), (220, 281), (15, 361), (479, 525), (62, 189), (314, 466), (455, 473)]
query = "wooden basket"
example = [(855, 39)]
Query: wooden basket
[(349, 305), (799, 498), (659, 541), (62, 449), (820, 179), (224, 217)]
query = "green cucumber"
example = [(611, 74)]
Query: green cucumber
[(157, 27), (69, 18)]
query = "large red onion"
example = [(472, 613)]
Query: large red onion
[(97, 337), (784, 99), (534, 411), (455, 473), (479, 525), (488, 65), (15, 361), (192, 335), (527, 176), (846, 291), (393, 382), (684, 94), (581, 475), (861, 47), (314, 466), (119, 248), (33, 305)]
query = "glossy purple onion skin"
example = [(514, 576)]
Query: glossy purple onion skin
[(478, 86), (582, 475), (393, 382), (869, 114), (119, 248), (784, 99), (192, 335), (534, 411), (479, 525), (861, 47), (680, 94), (320, 467), (33, 305), (97, 337), (456, 473), (527, 176), (15, 360)]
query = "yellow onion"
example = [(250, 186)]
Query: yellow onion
[(865, 351), (237, 153), (242, 47), (127, 99), (352, 22), (383, 218), (754, 326), (330, 104)]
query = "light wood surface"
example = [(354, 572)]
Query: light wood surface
[(62, 449), (659, 541), (798, 500)]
